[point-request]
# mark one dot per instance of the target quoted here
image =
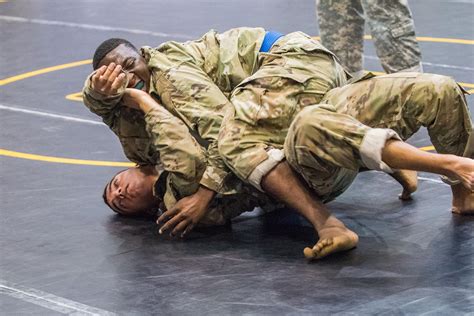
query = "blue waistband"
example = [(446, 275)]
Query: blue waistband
[(269, 39)]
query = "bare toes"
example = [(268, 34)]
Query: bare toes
[(405, 196), (308, 253)]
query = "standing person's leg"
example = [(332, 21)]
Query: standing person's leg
[(341, 27), (393, 31)]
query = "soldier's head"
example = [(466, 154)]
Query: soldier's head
[(122, 52), (130, 192)]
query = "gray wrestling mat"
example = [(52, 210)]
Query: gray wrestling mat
[(63, 252)]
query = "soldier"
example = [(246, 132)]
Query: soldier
[(193, 82), (176, 172), (341, 26), (326, 139), (141, 190)]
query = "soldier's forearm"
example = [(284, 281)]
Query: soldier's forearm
[(146, 103)]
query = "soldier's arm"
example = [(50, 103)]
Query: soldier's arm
[(102, 94), (189, 93), (179, 152)]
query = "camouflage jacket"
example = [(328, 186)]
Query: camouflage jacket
[(156, 138), (193, 81)]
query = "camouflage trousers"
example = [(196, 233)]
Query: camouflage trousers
[(327, 143), (341, 26)]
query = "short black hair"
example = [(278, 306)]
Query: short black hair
[(106, 47)]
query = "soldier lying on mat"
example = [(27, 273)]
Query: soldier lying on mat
[(262, 89), (141, 191)]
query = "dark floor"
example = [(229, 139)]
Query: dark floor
[(63, 252)]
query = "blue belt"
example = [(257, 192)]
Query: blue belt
[(269, 39)]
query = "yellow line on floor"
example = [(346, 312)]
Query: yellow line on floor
[(438, 40), (15, 154), (75, 96), (43, 71), (427, 148)]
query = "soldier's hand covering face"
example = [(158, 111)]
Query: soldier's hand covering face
[(108, 79)]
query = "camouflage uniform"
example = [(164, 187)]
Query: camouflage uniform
[(328, 142), (193, 81), (341, 25), (295, 73)]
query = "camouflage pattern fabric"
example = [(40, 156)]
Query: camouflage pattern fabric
[(223, 208), (341, 25), (323, 142), (297, 72), (193, 81)]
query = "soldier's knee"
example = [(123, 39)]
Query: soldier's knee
[(307, 123), (439, 85)]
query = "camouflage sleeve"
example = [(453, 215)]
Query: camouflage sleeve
[(179, 152), (126, 123), (188, 92), (216, 171), (102, 105)]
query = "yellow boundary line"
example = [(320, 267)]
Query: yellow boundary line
[(15, 154), (43, 71), (438, 40), (75, 96)]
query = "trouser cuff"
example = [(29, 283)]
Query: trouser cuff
[(372, 145), (275, 156)]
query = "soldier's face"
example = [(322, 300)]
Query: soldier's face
[(131, 192), (133, 64)]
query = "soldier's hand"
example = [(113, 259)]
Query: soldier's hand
[(186, 213), (108, 79)]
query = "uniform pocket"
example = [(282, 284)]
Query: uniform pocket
[(402, 30), (269, 100)]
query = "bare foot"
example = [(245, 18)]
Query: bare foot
[(463, 200), (331, 240), (409, 181), (462, 168)]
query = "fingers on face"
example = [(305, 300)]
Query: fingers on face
[(118, 82), (98, 74), (111, 74)]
